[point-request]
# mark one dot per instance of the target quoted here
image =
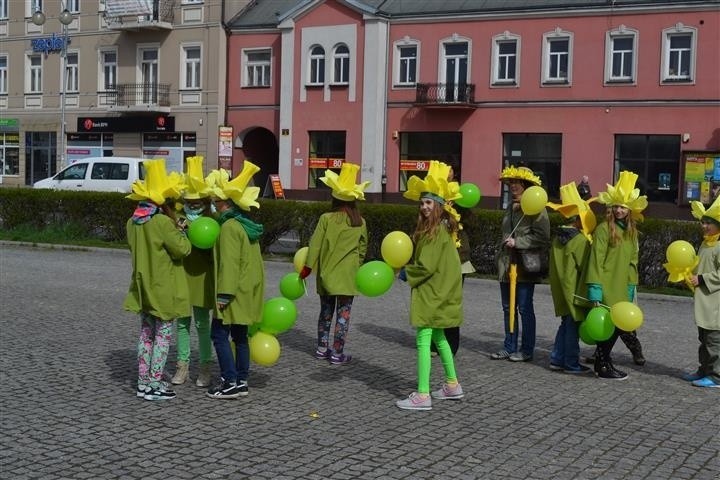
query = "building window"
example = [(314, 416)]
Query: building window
[(192, 67), (9, 153), (108, 60), (3, 74), (455, 68), (32, 6), (326, 151), (149, 68), (257, 67), (317, 66), (73, 6), (4, 9), (557, 57), (656, 160), (505, 59), (678, 55), (541, 153), (418, 148), (33, 77), (406, 63), (71, 73), (341, 65), (620, 55)]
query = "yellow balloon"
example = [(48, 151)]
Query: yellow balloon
[(680, 254), (264, 349), (396, 249), (299, 259), (533, 200), (626, 316)]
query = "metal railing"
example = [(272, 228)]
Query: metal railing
[(138, 94), (444, 94), (162, 12)]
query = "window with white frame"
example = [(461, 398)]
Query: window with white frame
[(3, 74), (505, 59), (72, 73), (557, 57), (406, 63), (108, 61), (73, 6), (454, 69), (4, 9), (620, 55), (317, 66), (257, 67), (679, 54), (32, 6), (191, 58), (341, 65), (33, 73)]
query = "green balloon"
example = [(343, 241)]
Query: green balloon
[(584, 335), (203, 232), (291, 286), (278, 315), (599, 325), (470, 195), (374, 278)]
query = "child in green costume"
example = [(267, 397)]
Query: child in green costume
[(435, 278)]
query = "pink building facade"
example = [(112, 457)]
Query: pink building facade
[(565, 88)]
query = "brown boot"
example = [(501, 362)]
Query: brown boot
[(181, 373)]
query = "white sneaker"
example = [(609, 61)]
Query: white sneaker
[(448, 393), (415, 402)]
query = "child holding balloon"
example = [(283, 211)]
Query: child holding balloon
[(568, 258), (612, 273), (199, 273), (706, 280), (337, 246), (239, 278), (158, 289), (435, 278)]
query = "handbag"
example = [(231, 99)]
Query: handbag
[(534, 260)]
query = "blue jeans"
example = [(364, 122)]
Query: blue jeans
[(233, 368), (524, 307), (566, 351)]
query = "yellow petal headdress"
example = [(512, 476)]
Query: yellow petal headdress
[(435, 183), (195, 186), (520, 173), (712, 213), (625, 194), (573, 205), (343, 186), (158, 186), (236, 189)]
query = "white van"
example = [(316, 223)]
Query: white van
[(105, 174)]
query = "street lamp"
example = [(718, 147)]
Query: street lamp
[(65, 18)]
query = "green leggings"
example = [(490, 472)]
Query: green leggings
[(202, 325), (422, 340)]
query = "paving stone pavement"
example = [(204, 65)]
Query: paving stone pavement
[(69, 410)]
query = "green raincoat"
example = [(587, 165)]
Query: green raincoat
[(568, 257), (239, 273), (199, 272), (335, 253), (158, 284), (436, 281), (533, 231), (614, 268), (707, 296)]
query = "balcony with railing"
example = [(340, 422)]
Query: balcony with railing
[(445, 95), (139, 15), (138, 97)]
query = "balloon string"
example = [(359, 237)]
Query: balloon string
[(588, 300), (515, 228)]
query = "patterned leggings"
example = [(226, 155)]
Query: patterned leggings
[(153, 346), (328, 305)]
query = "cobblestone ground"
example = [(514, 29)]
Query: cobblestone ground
[(68, 405)]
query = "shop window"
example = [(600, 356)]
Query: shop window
[(540, 152), (656, 160), (10, 153), (417, 149), (326, 151)]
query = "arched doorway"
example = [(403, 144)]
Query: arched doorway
[(260, 146)]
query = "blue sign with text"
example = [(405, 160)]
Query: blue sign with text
[(48, 44)]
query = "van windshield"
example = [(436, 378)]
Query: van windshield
[(75, 171)]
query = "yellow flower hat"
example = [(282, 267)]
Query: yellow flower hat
[(343, 186), (435, 183), (625, 194), (158, 186), (520, 173), (572, 205), (236, 189), (195, 186), (712, 213)]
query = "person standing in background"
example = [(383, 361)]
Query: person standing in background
[(584, 188)]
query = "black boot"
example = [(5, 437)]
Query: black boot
[(603, 364), (632, 342)]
